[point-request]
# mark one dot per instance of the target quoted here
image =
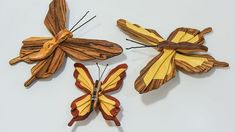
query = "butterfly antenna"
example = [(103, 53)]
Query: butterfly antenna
[(103, 72), (144, 46), (84, 24), (79, 21), (98, 70)]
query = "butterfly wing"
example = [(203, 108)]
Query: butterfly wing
[(47, 67), (114, 79), (83, 78), (197, 63), (80, 108), (148, 36), (55, 22), (56, 16), (189, 36), (89, 49), (157, 72), (30, 46), (109, 107), (193, 63)]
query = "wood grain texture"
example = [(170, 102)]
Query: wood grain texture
[(90, 49), (176, 52), (49, 53), (56, 16), (148, 36)]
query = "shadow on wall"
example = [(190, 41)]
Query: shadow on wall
[(162, 92)]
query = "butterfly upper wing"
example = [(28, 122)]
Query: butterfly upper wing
[(47, 67), (80, 108), (148, 36), (109, 107), (83, 78), (114, 79), (56, 16), (189, 36), (30, 46), (90, 49)]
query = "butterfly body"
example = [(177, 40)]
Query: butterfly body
[(49, 47), (96, 94), (177, 52)]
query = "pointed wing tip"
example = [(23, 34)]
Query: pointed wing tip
[(124, 65), (221, 64), (121, 21), (78, 65), (15, 60), (30, 81), (71, 122), (206, 30), (117, 122)]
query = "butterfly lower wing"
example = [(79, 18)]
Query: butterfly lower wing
[(197, 63), (83, 78), (89, 49), (80, 108), (56, 16), (114, 79), (47, 67), (109, 107), (190, 36), (157, 72), (30, 46), (148, 36)]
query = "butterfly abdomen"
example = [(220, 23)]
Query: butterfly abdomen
[(94, 98)]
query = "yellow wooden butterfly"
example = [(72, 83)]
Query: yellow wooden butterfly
[(96, 93), (176, 52)]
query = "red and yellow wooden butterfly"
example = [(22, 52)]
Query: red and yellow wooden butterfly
[(176, 52), (50, 52), (96, 93)]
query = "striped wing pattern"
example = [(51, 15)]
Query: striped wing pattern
[(162, 68)]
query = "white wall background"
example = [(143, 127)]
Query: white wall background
[(198, 103)]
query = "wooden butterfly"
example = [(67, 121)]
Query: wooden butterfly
[(96, 93), (50, 53), (177, 52)]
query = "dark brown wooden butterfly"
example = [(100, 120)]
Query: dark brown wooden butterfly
[(50, 52)]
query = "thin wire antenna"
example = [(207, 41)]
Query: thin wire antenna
[(84, 24), (135, 41), (103, 72), (98, 70), (79, 21), (138, 47), (144, 46)]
